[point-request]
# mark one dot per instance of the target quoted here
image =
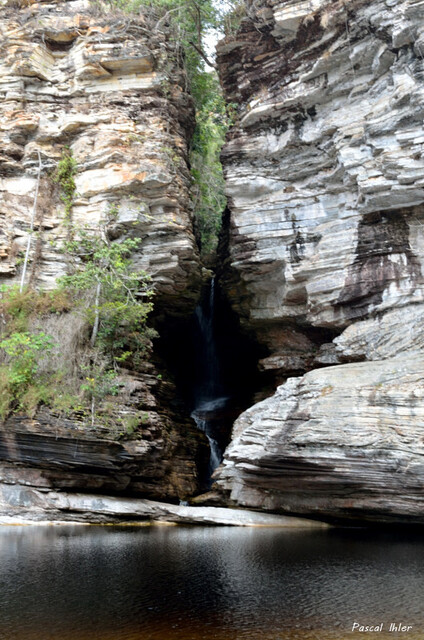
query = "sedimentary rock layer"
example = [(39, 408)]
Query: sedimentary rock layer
[(20, 504), (324, 167), (324, 250), (160, 460), (111, 89), (344, 442)]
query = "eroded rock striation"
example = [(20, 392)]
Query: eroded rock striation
[(324, 254), (324, 172), (161, 459), (343, 442), (20, 504), (110, 90), (113, 91)]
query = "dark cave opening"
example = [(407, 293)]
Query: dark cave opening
[(214, 366)]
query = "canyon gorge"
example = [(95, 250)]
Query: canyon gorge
[(319, 265)]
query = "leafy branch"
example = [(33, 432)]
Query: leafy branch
[(64, 176), (120, 296)]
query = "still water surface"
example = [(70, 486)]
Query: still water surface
[(160, 583)]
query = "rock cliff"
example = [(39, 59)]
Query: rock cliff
[(161, 460), (342, 442), (324, 249), (321, 252), (112, 91)]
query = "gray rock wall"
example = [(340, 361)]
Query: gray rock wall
[(345, 443), (324, 172), (325, 180)]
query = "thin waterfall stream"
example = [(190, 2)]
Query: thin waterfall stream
[(209, 393), (215, 368)]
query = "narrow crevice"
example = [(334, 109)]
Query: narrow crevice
[(214, 367)]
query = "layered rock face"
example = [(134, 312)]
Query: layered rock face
[(325, 245), (20, 504), (324, 171), (343, 442), (160, 461), (112, 91)]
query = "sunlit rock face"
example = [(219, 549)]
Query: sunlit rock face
[(112, 90), (324, 172), (324, 249)]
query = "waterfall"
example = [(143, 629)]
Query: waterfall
[(201, 416), (207, 385), (209, 395)]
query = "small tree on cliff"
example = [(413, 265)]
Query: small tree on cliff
[(119, 298)]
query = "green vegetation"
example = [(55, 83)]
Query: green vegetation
[(189, 21), (120, 297), (64, 176), (209, 136), (18, 306), (63, 348), (24, 353), (24, 350)]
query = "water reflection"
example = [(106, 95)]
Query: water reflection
[(203, 583)]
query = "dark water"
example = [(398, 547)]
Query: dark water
[(202, 583)]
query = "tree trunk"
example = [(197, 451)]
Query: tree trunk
[(96, 316), (31, 228)]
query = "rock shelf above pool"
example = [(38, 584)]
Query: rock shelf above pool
[(26, 505)]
